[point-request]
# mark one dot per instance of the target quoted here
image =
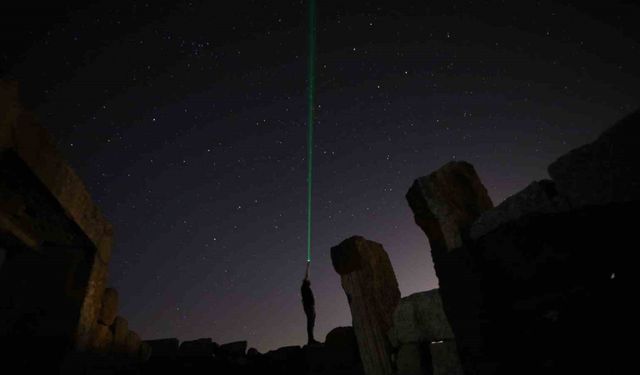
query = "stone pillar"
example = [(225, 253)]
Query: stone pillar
[(445, 204), (372, 291)]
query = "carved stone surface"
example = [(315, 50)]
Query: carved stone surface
[(372, 291)]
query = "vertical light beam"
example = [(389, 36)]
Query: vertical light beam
[(310, 93)]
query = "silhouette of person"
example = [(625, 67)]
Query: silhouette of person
[(308, 303)]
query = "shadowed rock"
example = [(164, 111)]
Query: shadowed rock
[(420, 318), (233, 349), (604, 171), (444, 358), (132, 344), (342, 347), (539, 197), (120, 333), (372, 292), (204, 347), (164, 348), (413, 359), (145, 351), (109, 309), (418, 322)]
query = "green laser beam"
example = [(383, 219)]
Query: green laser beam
[(311, 89)]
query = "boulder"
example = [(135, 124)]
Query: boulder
[(120, 329), (446, 203), (163, 348), (372, 292), (604, 171), (204, 347), (420, 318), (109, 309), (539, 197), (233, 349)]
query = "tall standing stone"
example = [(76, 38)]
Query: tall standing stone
[(445, 204), (372, 291)]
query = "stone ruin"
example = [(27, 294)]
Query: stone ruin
[(55, 245), (403, 336), (530, 286)]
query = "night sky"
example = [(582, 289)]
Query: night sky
[(187, 122)]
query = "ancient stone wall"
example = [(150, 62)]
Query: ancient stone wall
[(56, 248)]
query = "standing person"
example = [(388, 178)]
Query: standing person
[(308, 303)]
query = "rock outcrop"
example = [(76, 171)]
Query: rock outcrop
[(372, 292)]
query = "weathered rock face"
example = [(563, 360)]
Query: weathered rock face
[(109, 309), (372, 292), (446, 203), (604, 171)]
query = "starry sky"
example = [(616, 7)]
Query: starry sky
[(187, 122)]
